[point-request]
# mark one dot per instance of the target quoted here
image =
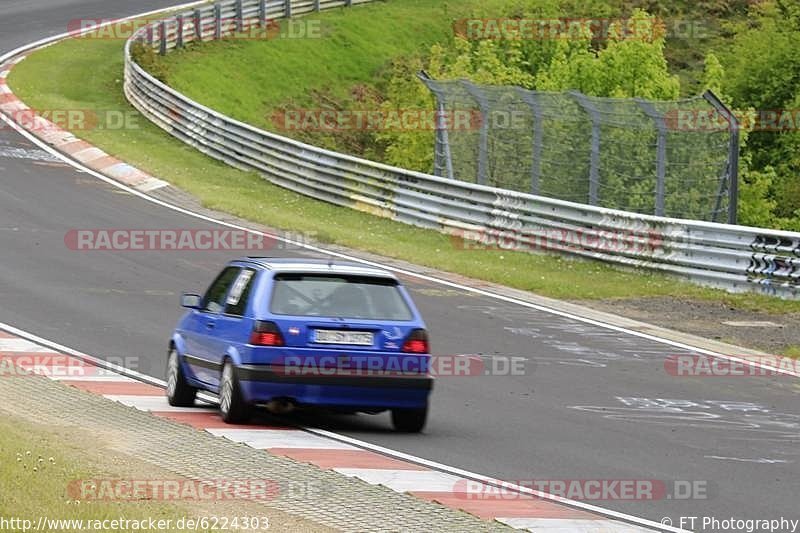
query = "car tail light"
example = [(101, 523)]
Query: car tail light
[(417, 342), (266, 334)]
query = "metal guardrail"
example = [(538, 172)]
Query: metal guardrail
[(732, 257)]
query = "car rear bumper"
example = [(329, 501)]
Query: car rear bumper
[(261, 383)]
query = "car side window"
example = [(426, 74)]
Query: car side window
[(214, 300), (239, 294)]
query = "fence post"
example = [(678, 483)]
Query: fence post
[(316, 6), (179, 36), (262, 13), (483, 148), (661, 152), (733, 157), (532, 99), (198, 25), (217, 21), (162, 45), (442, 157), (239, 16), (594, 159)]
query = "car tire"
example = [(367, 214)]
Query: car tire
[(179, 392), (232, 407), (409, 420)]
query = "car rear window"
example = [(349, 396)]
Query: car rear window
[(336, 295)]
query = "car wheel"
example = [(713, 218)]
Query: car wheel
[(232, 407), (179, 393), (409, 420)]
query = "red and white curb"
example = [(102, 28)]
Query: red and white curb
[(21, 356), (67, 143)]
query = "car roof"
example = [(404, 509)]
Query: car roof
[(327, 266)]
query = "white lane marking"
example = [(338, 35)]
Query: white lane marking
[(55, 347), (153, 403), (264, 439), (21, 346), (26, 153), (405, 480), (562, 525), (761, 461)]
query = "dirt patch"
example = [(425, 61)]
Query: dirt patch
[(771, 333)]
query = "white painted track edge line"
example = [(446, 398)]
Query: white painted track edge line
[(85, 357)]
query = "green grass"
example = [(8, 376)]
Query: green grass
[(248, 79), (87, 74), (37, 467), (792, 351)]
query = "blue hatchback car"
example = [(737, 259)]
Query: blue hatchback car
[(288, 333)]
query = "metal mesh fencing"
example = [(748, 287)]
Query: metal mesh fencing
[(675, 159)]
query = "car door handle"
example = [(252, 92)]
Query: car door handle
[(210, 325)]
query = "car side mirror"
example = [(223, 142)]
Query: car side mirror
[(190, 301)]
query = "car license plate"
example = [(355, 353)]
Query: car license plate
[(356, 338)]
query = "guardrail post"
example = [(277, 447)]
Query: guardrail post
[(442, 157), (288, 11), (733, 158), (532, 99), (594, 158), (179, 36), (239, 16), (316, 6), (198, 25), (217, 21), (262, 13), (348, 3), (661, 152), (483, 148), (149, 35), (162, 45)]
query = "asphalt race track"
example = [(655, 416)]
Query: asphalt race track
[(592, 403)]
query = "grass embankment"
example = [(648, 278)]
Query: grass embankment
[(37, 467), (87, 74)]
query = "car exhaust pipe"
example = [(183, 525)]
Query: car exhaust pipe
[(280, 406)]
